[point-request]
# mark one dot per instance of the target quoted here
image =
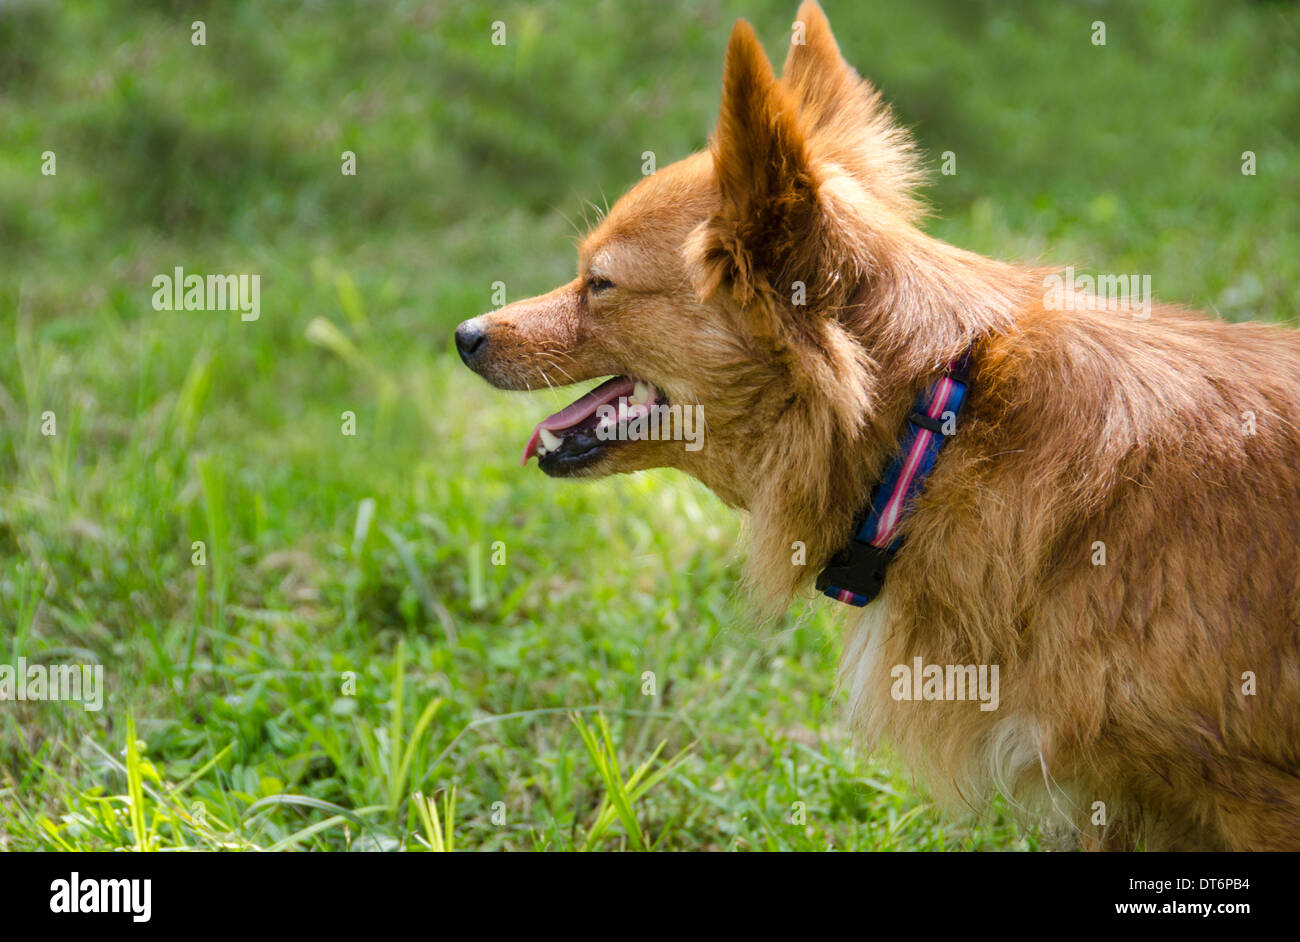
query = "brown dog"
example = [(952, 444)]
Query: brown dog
[(1111, 530)]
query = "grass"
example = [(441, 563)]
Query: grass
[(398, 639)]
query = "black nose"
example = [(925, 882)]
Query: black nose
[(470, 339)]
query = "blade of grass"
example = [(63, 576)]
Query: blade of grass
[(134, 787)]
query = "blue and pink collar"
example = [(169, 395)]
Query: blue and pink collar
[(856, 573)]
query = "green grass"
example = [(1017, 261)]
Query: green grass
[(350, 669)]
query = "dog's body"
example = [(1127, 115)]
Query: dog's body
[(1114, 524)]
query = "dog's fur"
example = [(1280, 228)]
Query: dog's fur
[(1125, 683)]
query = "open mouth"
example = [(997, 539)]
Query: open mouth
[(580, 433)]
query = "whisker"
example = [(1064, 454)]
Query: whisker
[(555, 364)]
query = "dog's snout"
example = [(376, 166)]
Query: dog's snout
[(471, 339)]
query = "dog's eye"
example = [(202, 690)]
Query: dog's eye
[(596, 285)]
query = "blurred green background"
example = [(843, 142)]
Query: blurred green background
[(373, 553)]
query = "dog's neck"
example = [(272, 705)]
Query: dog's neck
[(932, 303), (928, 303)]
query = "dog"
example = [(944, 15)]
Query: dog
[(1110, 530)]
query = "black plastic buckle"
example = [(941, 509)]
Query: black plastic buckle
[(923, 420), (859, 568)]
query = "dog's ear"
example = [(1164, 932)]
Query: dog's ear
[(822, 83), (846, 121), (778, 242), (765, 242)]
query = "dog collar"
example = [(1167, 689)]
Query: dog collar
[(856, 573)]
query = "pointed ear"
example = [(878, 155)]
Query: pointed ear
[(775, 242), (818, 77), (758, 150), (766, 182), (845, 118)]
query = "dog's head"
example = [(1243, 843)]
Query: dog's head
[(722, 282)]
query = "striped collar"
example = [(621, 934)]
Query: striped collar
[(856, 573)]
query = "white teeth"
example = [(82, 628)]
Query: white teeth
[(640, 394), (550, 441)]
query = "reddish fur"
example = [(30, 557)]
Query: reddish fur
[(1120, 683)]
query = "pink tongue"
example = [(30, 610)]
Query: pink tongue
[(609, 391)]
